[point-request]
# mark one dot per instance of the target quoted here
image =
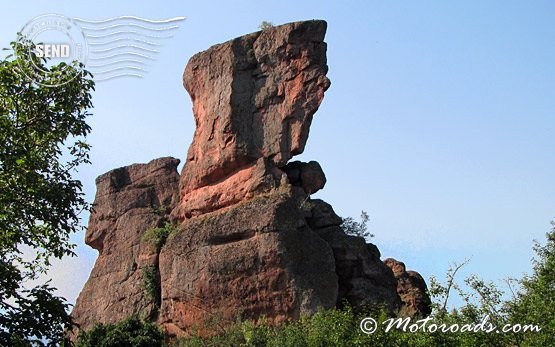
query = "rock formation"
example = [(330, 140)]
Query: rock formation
[(237, 232), (411, 288), (253, 101), (129, 201)]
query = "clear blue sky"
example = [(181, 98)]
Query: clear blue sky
[(439, 123)]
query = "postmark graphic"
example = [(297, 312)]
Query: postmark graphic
[(124, 46), (110, 48), (58, 39)]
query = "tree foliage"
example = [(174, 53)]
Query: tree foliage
[(535, 301), (354, 228), (132, 332), (42, 132)]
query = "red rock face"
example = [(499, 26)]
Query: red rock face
[(411, 288), (244, 237), (253, 97), (129, 201), (257, 258), (363, 279)]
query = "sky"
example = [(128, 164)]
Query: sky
[(439, 121)]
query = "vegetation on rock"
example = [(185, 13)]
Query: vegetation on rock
[(265, 25), (132, 332), (531, 305), (354, 228), (159, 235), (151, 282)]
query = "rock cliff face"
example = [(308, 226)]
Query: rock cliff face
[(253, 101), (237, 231), (129, 201), (258, 257)]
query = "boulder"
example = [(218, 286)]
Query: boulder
[(363, 279), (309, 176)]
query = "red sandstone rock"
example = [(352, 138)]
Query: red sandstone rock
[(308, 176), (243, 184), (253, 97), (258, 258), (362, 277), (411, 288), (249, 239), (128, 201)]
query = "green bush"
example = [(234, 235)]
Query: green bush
[(132, 332), (265, 25), (151, 282), (535, 302), (341, 327), (158, 236)]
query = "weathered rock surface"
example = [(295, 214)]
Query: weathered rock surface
[(246, 237), (128, 201), (411, 288), (363, 278), (308, 176), (257, 258), (253, 97)]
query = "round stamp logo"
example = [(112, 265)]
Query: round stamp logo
[(54, 39)]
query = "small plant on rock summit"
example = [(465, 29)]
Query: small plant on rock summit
[(265, 25), (354, 228)]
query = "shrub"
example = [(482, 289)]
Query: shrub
[(158, 236), (151, 282), (132, 332), (535, 301), (265, 25)]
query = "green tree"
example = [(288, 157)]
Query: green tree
[(534, 303), (531, 305), (354, 228), (42, 132)]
